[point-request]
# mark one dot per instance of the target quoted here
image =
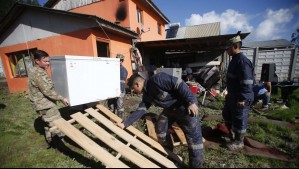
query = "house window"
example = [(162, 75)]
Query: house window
[(20, 62), (103, 49), (159, 29), (139, 16)]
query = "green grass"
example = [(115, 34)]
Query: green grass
[(23, 144), (293, 112)]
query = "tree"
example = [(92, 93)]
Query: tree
[(5, 5), (295, 38)]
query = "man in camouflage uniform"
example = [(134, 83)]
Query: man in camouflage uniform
[(42, 94), (118, 103)]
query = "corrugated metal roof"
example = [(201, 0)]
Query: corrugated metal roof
[(198, 31), (209, 43), (278, 43)]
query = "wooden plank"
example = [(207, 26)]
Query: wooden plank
[(174, 140), (141, 135), (86, 143), (69, 121), (128, 144), (151, 128), (179, 132), (174, 136), (112, 142), (129, 138)]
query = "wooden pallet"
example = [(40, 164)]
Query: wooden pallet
[(134, 146), (178, 137)]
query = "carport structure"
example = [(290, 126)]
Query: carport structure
[(196, 52)]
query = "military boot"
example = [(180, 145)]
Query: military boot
[(238, 142), (48, 135)]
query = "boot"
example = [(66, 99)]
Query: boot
[(238, 142), (48, 135), (58, 133)]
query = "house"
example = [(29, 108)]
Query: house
[(97, 28)]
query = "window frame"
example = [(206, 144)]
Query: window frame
[(139, 15), (17, 58)]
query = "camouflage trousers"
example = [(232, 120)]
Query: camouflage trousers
[(48, 116), (117, 104)]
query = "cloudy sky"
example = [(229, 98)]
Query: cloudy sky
[(265, 19)]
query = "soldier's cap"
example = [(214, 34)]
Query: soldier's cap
[(232, 41), (120, 56)]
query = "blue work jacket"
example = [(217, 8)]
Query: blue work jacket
[(165, 91), (240, 78), (123, 77)]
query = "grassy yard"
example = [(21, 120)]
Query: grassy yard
[(23, 144)]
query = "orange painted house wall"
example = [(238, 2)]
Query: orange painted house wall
[(150, 19), (117, 45), (77, 43), (84, 42)]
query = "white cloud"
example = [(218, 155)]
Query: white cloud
[(295, 10), (231, 21), (274, 24)]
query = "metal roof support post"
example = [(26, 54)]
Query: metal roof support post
[(255, 60), (293, 63)]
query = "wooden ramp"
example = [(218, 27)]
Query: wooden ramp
[(132, 145)]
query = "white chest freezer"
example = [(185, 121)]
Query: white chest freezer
[(85, 79)]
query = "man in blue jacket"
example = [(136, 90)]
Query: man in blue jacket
[(262, 91), (117, 104), (179, 104), (240, 94)]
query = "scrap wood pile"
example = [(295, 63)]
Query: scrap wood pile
[(132, 147)]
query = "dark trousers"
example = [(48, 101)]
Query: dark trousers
[(192, 130), (236, 118)]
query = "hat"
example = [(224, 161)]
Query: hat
[(233, 40), (120, 56)]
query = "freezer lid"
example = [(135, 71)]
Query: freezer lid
[(74, 57)]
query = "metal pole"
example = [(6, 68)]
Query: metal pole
[(293, 63)]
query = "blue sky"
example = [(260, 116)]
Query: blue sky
[(265, 19)]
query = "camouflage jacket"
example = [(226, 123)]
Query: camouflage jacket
[(41, 89)]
